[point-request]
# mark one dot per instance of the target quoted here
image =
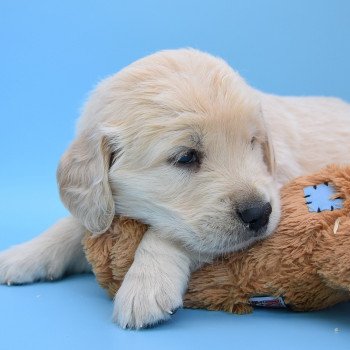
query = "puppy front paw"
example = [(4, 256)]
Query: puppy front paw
[(143, 301)]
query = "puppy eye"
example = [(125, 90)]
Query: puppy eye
[(112, 159), (188, 158), (253, 141)]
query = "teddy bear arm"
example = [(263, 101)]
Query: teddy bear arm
[(332, 256), (112, 253), (97, 251), (213, 288), (216, 300)]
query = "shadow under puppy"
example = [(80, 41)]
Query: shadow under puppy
[(304, 265)]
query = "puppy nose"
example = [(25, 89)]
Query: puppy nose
[(256, 217)]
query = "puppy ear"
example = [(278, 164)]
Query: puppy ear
[(269, 154), (82, 177)]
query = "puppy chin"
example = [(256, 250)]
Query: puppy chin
[(232, 239)]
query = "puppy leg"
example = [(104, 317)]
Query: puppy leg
[(155, 283), (49, 256)]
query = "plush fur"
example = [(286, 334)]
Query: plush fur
[(306, 261)]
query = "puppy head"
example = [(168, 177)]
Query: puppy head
[(178, 141)]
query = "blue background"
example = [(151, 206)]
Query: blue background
[(52, 54)]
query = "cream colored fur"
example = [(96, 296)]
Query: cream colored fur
[(135, 125)]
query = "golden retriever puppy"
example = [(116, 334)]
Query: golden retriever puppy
[(179, 141)]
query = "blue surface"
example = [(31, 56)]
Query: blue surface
[(52, 53)]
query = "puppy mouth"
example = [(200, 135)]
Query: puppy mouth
[(256, 235), (232, 239), (248, 239), (245, 240)]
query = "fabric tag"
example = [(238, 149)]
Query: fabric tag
[(267, 301), (319, 198)]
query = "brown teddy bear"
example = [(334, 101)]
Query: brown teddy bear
[(304, 265)]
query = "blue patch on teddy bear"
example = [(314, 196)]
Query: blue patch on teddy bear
[(320, 197)]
